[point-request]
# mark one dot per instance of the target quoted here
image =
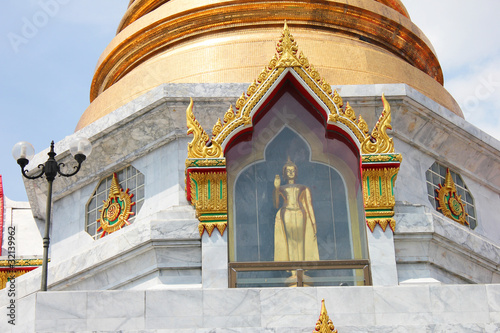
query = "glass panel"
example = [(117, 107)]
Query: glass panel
[(92, 229), (442, 171), (428, 176), (468, 198), (436, 179), (140, 193), (290, 278), (131, 183), (289, 183), (431, 190)]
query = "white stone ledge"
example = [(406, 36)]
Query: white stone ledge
[(133, 252), (416, 308), (425, 237)]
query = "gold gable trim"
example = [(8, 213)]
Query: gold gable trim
[(286, 58), (376, 148)]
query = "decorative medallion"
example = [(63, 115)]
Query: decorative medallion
[(324, 323), (116, 209), (380, 164), (450, 203)]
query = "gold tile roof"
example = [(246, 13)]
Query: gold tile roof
[(228, 41)]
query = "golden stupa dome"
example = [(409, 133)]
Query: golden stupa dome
[(230, 41)]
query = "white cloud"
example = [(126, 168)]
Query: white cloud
[(465, 37), (478, 93), (461, 31)]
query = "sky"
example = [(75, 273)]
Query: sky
[(49, 50)]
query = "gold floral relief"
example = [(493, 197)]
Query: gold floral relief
[(378, 194), (209, 197)]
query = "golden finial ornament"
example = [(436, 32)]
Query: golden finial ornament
[(287, 50), (324, 323)]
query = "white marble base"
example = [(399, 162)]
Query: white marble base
[(452, 308), (214, 260), (382, 257)]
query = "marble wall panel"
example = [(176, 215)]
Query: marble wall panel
[(456, 262), (174, 309), (61, 311), (402, 305), (382, 256), (233, 308), (278, 311), (413, 271), (116, 310), (127, 256), (346, 306), (215, 260), (23, 315), (459, 304), (413, 218), (410, 184), (170, 277), (414, 248), (437, 308), (455, 253)]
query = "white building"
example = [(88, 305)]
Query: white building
[(388, 260)]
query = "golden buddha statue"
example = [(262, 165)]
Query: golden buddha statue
[(295, 225)]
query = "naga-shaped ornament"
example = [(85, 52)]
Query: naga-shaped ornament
[(199, 147), (378, 142)]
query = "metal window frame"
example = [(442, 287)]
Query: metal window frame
[(299, 266)]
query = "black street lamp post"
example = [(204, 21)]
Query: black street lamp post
[(23, 152)]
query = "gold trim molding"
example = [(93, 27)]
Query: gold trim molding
[(6, 276), (11, 269), (21, 262), (287, 58)]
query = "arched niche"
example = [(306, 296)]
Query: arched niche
[(289, 126)]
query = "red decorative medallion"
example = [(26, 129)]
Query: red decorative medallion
[(116, 210), (450, 203)]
